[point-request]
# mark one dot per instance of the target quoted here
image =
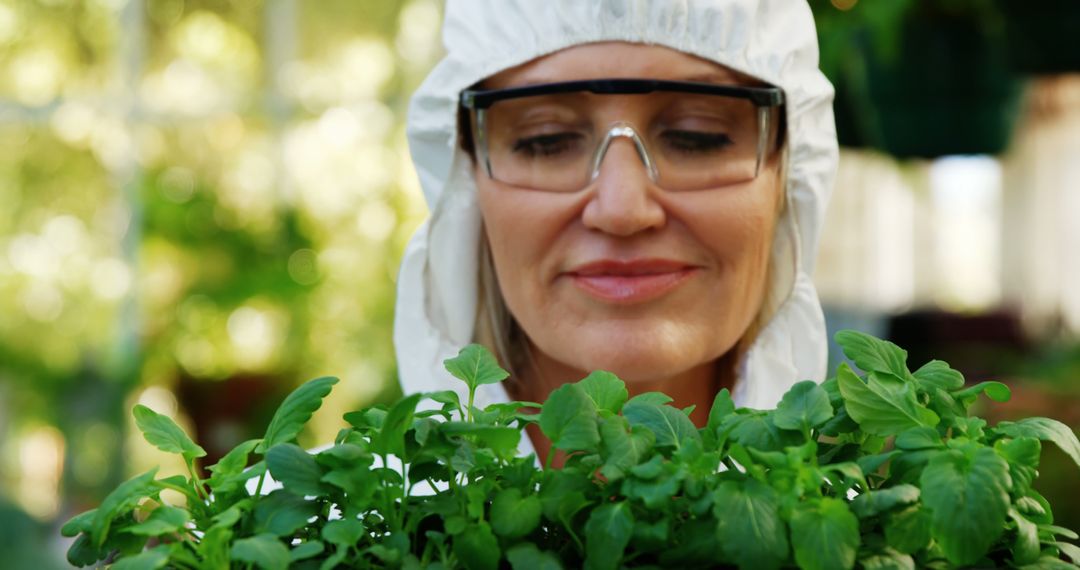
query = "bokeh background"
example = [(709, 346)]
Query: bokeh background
[(203, 203)]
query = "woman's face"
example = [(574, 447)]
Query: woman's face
[(622, 275)]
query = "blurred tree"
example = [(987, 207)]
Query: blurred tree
[(205, 204)]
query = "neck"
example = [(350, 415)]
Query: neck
[(696, 387)]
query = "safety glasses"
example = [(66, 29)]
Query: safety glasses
[(689, 136)]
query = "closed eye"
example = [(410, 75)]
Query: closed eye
[(693, 142), (548, 145)]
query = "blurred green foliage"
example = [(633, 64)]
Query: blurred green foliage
[(205, 204)]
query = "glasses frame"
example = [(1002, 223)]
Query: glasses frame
[(478, 101)]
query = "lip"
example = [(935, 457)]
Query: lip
[(630, 282)]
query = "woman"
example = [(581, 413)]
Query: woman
[(622, 185)]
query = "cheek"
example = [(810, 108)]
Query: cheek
[(739, 232), (520, 236), (738, 236)]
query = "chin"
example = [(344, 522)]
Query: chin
[(642, 354)]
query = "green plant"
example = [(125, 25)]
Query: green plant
[(885, 470)]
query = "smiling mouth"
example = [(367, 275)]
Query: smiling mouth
[(627, 283)]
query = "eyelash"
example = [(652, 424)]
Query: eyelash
[(697, 141), (544, 145), (689, 142)]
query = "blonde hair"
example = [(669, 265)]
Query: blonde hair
[(495, 326)]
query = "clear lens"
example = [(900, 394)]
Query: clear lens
[(550, 142)]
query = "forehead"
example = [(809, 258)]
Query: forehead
[(616, 59)]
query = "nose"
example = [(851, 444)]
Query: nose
[(622, 201)]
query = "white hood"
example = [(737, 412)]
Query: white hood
[(773, 40)]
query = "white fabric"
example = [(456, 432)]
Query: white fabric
[(773, 40)]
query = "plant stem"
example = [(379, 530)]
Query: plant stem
[(199, 489), (258, 488), (472, 394)]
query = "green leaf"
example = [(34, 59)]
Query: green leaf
[(223, 484), (871, 503), (343, 532), (651, 469), (281, 513), (887, 559), (996, 391), (938, 374), (366, 421), (164, 434), (230, 516), (475, 365), (623, 449), (151, 559), (446, 398), (562, 493), (295, 411), (390, 440), (972, 428), (81, 522), (750, 530), (945, 405), (695, 546), (1046, 430), (907, 466), (871, 463), (514, 516), (722, 407), (824, 534), (651, 536), (1070, 550), (214, 547), (503, 440), (884, 405), (1026, 546), (839, 424), (477, 548), (758, 431), (805, 406), (569, 419), (656, 492), (651, 398), (849, 470), (233, 463), (334, 560), (1030, 506), (606, 390), (163, 520), (264, 550), (526, 556), (967, 493), (1048, 563), (296, 469), (606, 535), (119, 501), (1022, 455), (1059, 531), (919, 438), (669, 425), (464, 458), (83, 552), (873, 354), (123, 542), (306, 550), (908, 530)]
